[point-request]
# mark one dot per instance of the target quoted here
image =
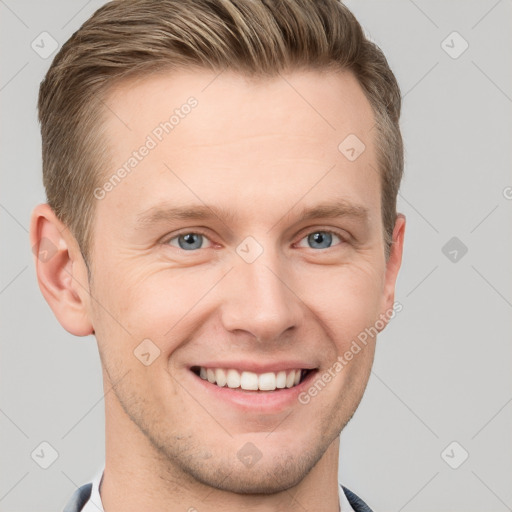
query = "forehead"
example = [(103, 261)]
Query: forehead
[(254, 138), (325, 101)]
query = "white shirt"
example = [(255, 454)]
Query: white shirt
[(95, 505)]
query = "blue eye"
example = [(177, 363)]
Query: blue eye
[(321, 239), (188, 241)]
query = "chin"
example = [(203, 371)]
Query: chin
[(267, 476)]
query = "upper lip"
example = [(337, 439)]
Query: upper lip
[(257, 367)]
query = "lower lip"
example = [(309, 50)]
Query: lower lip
[(259, 401)]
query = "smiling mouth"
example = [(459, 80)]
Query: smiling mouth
[(250, 381)]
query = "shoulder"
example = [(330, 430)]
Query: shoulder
[(79, 498), (355, 501)]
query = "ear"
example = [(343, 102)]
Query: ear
[(392, 267), (61, 271)]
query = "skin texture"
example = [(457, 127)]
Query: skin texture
[(265, 151)]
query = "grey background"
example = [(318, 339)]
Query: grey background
[(443, 367)]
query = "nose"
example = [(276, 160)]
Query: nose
[(259, 299)]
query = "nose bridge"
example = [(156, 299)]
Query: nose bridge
[(260, 300)]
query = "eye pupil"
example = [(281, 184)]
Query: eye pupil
[(321, 237), (191, 241)]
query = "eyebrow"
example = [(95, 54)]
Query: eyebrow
[(166, 213)]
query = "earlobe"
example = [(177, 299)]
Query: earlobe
[(61, 271), (393, 266)]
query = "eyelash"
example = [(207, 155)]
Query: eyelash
[(342, 237)]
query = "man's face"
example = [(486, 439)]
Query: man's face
[(262, 291)]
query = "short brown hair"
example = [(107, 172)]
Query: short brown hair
[(125, 38)]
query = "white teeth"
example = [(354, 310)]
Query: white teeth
[(220, 377), (251, 381), (210, 375), (233, 379), (290, 379), (267, 381), (280, 380)]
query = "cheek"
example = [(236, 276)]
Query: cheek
[(151, 302), (347, 298)]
